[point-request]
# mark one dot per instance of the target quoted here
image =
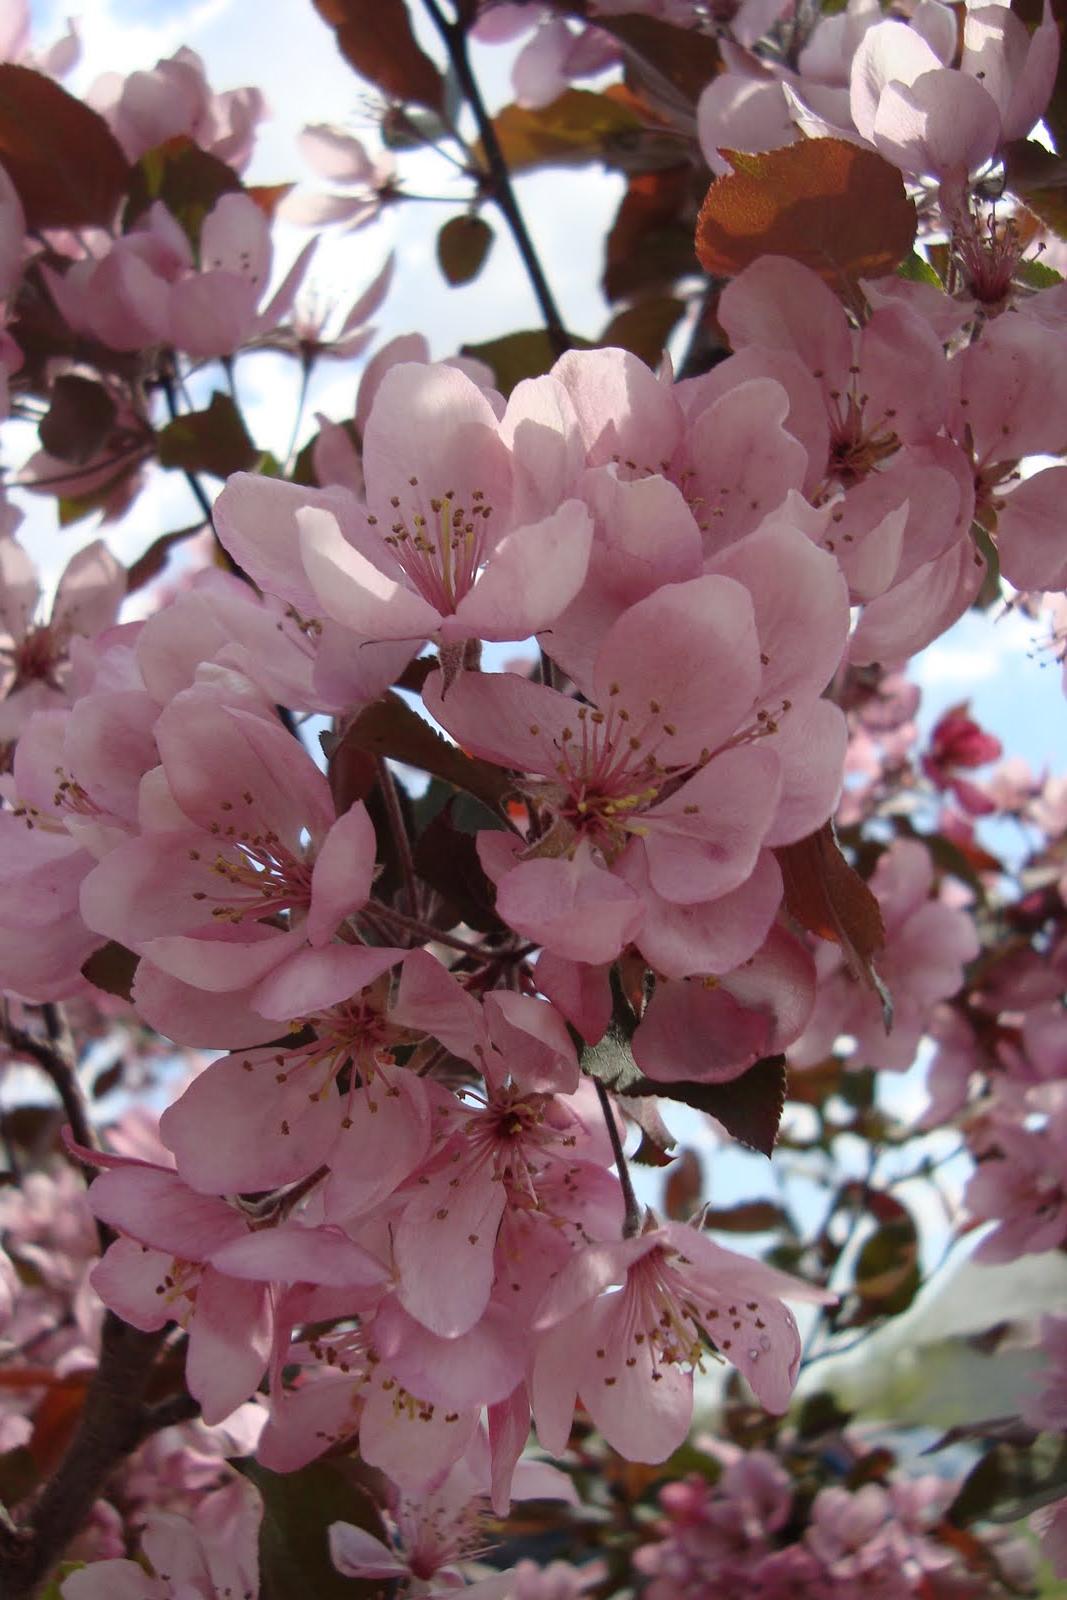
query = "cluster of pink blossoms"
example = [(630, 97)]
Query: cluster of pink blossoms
[(754, 1534), (646, 637)]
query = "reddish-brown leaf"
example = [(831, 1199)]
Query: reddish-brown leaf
[(653, 205), (215, 440), (672, 64), (389, 727), (79, 419), (578, 127), (831, 900), (644, 329), (683, 1186), (839, 209), (55, 1420), (748, 1216), (112, 968), (462, 246), (62, 157), (269, 196), (514, 356), (375, 37), (1041, 179)]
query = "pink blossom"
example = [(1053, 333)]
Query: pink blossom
[(630, 1355), (268, 1116), (194, 1259), (710, 1030), (213, 1556), (35, 653), (679, 760), (489, 1161), (248, 795), (145, 289), (898, 495), (364, 183), (432, 1535), (956, 741), (173, 99), (1021, 1186)]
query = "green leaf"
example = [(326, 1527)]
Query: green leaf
[(406, 128), (1036, 275), (214, 441), (887, 1275), (54, 1590), (1011, 1481), (298, 1510), (62, 157), (917, 269), (189, 181), (462, 247)]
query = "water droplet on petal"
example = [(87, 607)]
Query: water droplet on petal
[(753, 1355), (765, 1343)]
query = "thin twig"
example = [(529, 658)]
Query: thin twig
[(56, 1058), (634, 1217), (306, 365), (166, 383), (177, 1408), (395, 922), (398, 828), (454, 37)]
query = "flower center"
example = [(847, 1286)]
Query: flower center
[(440, 544)]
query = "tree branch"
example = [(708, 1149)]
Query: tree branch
[(454, 37), (113, 1423), (56, 1058), (634, 1212), (398, 829)]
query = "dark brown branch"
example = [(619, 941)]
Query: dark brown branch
[(113, 1423), (454, 37), (398, 829), (634, 1212), (56, 1057)]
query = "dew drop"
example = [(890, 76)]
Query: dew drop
[(765, 1343)]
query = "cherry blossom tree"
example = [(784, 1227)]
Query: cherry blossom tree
[(416, 866)]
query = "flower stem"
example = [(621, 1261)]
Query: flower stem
[(398, 828), (634, 1218)]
